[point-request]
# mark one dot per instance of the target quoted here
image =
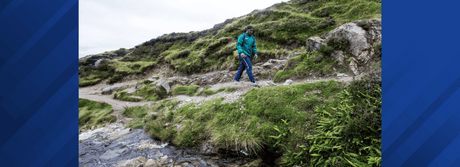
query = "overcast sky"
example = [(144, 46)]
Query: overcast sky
[(106, 25)]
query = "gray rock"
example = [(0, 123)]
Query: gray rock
[(165, 85), (294, 54), (138, 86), (112, 153), (288, 82), (338, 55), (110, 89), (115, 135), (152, 163), (354, 67), (98, 62), (342, 75), (314, 43), (361, 42), (136, 162), (130, 90)]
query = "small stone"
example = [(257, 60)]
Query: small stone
[(288, 82)]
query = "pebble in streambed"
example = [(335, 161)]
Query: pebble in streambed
[(115, 145)]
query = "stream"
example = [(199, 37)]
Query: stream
[(115, 145)]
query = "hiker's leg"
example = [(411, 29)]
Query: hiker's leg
[(240, 70), (248, 64)]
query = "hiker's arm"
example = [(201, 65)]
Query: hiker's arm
[(239, 43)]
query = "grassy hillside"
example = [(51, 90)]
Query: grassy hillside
[(279, 30)]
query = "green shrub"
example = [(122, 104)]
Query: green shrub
[(364, 25), (326, 50), (378, 49), (348, 134), (338, 43)]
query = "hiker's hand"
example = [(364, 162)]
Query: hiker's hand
[(243, 55), (255, 56)]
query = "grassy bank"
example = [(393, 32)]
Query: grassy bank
[(91, 113)]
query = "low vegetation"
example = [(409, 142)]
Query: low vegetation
[(91, 113), (185, 90)]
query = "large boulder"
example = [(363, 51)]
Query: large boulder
[(362, 36)]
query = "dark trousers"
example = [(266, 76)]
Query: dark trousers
[(245, 65)]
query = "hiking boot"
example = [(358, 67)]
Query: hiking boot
[(236, 82), (254, 84)]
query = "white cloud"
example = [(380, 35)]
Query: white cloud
[(106, 25)]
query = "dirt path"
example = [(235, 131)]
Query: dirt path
[(93, 93)]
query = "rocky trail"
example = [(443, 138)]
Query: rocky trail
[(96, 93)]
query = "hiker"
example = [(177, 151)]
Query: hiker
[(246, 46)]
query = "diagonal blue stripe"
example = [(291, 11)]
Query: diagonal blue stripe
[(53, 40), (47, 94), (32, 41), (11, 7), (390, 83), (432, 147), (4, 4), (422, 118), (48, 128), (26, 90)]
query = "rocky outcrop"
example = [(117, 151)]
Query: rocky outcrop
[(361, 37)]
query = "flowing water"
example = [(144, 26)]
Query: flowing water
[(113, 144)]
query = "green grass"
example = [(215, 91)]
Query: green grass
[(185, 90), (91, 113), (304, 64), (151, 93), (208, 92), (229, 89), (114, 71), (122, 95)]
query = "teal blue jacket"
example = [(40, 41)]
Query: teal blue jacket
[(248, 47)]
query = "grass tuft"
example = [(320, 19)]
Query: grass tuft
[(92, 113)]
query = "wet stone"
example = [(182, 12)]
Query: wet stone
[(101, 148)]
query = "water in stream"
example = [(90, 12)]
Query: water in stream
[(113, 144)]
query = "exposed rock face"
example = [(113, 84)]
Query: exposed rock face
[(361, 43), (314, 43)]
